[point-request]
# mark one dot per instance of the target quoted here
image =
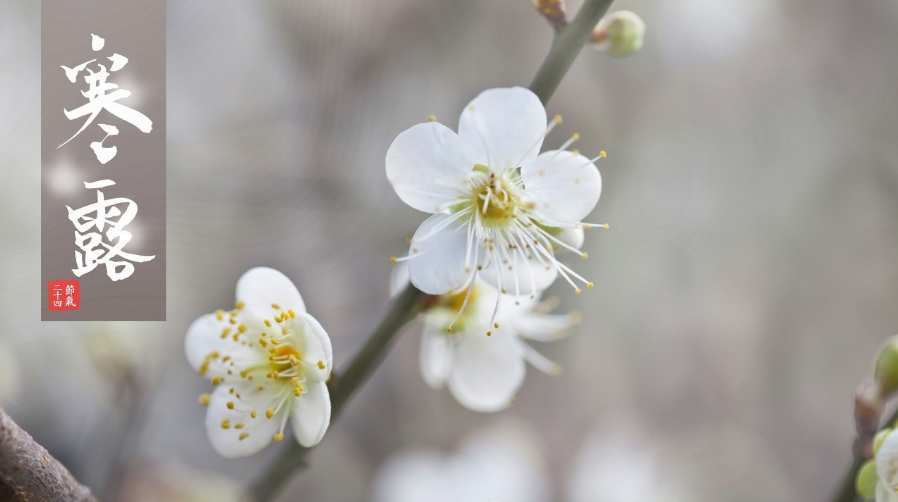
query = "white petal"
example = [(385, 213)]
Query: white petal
[(311, 414), (507, 124), (258, 431), (564, 186), (261, 287), (204, 338), (884, 493), (436, 356), (316, 348), (886, 458), (572, 236), (486, 371), (544, 327), (427, 165), (540, 361), (521, 276), (438, 249), (398, 278)]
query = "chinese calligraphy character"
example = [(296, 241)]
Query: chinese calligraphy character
[(100, 234), (103, 95), (57, 297)]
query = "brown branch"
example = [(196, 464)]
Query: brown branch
[(31, 472)]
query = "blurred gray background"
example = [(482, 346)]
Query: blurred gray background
[(748, 279)]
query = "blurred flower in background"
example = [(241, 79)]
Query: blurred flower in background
[(500, 463), (620, 466)]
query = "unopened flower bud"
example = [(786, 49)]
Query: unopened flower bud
[(886, 371), (620, 33), (866, 480), (554, 11)]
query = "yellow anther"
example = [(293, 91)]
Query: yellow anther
[(292, 313), (239, 425), (219, 315), (239, 305), (203, 399), (590, 285), (224, 333), (275, 306), (226, 424), (285, 331), (431, 118), (263, 343), (557, 118), (297, 390), (321, 364), (603, 154), (243, 435), (252, 414), (241, 328), (489, 333), (232, 320), (230, 405), (216, 380), (584, 255), (267, 323), (279, 436), (269, 413), (394, 260), (575, 136)]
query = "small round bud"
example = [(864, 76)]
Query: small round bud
[(886, 371), (620, 33), (865, 482)]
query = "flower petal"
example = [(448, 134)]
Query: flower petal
[(520, 275), (226, 425), (316, 348), (544, 327), (311, 414), (436, 356), (886, 458), (487, 371), (262, 288), (437, 265), (205, 348), (506, 124), (564, 187), (427, 165), (572, 236)]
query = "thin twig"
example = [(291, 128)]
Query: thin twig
[(29, 470), (566, 46)]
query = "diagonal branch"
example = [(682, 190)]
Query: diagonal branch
[(29, 470)]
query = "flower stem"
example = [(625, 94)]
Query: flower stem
[(566, 46), (342, 387)]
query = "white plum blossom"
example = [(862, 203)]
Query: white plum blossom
[(269, 360), (498, 205), (483, 359), (498, 464), (887, 469)]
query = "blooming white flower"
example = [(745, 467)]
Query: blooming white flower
[(269, 361), (498, 464), (480, 358), (497, 204), (887, 469)]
